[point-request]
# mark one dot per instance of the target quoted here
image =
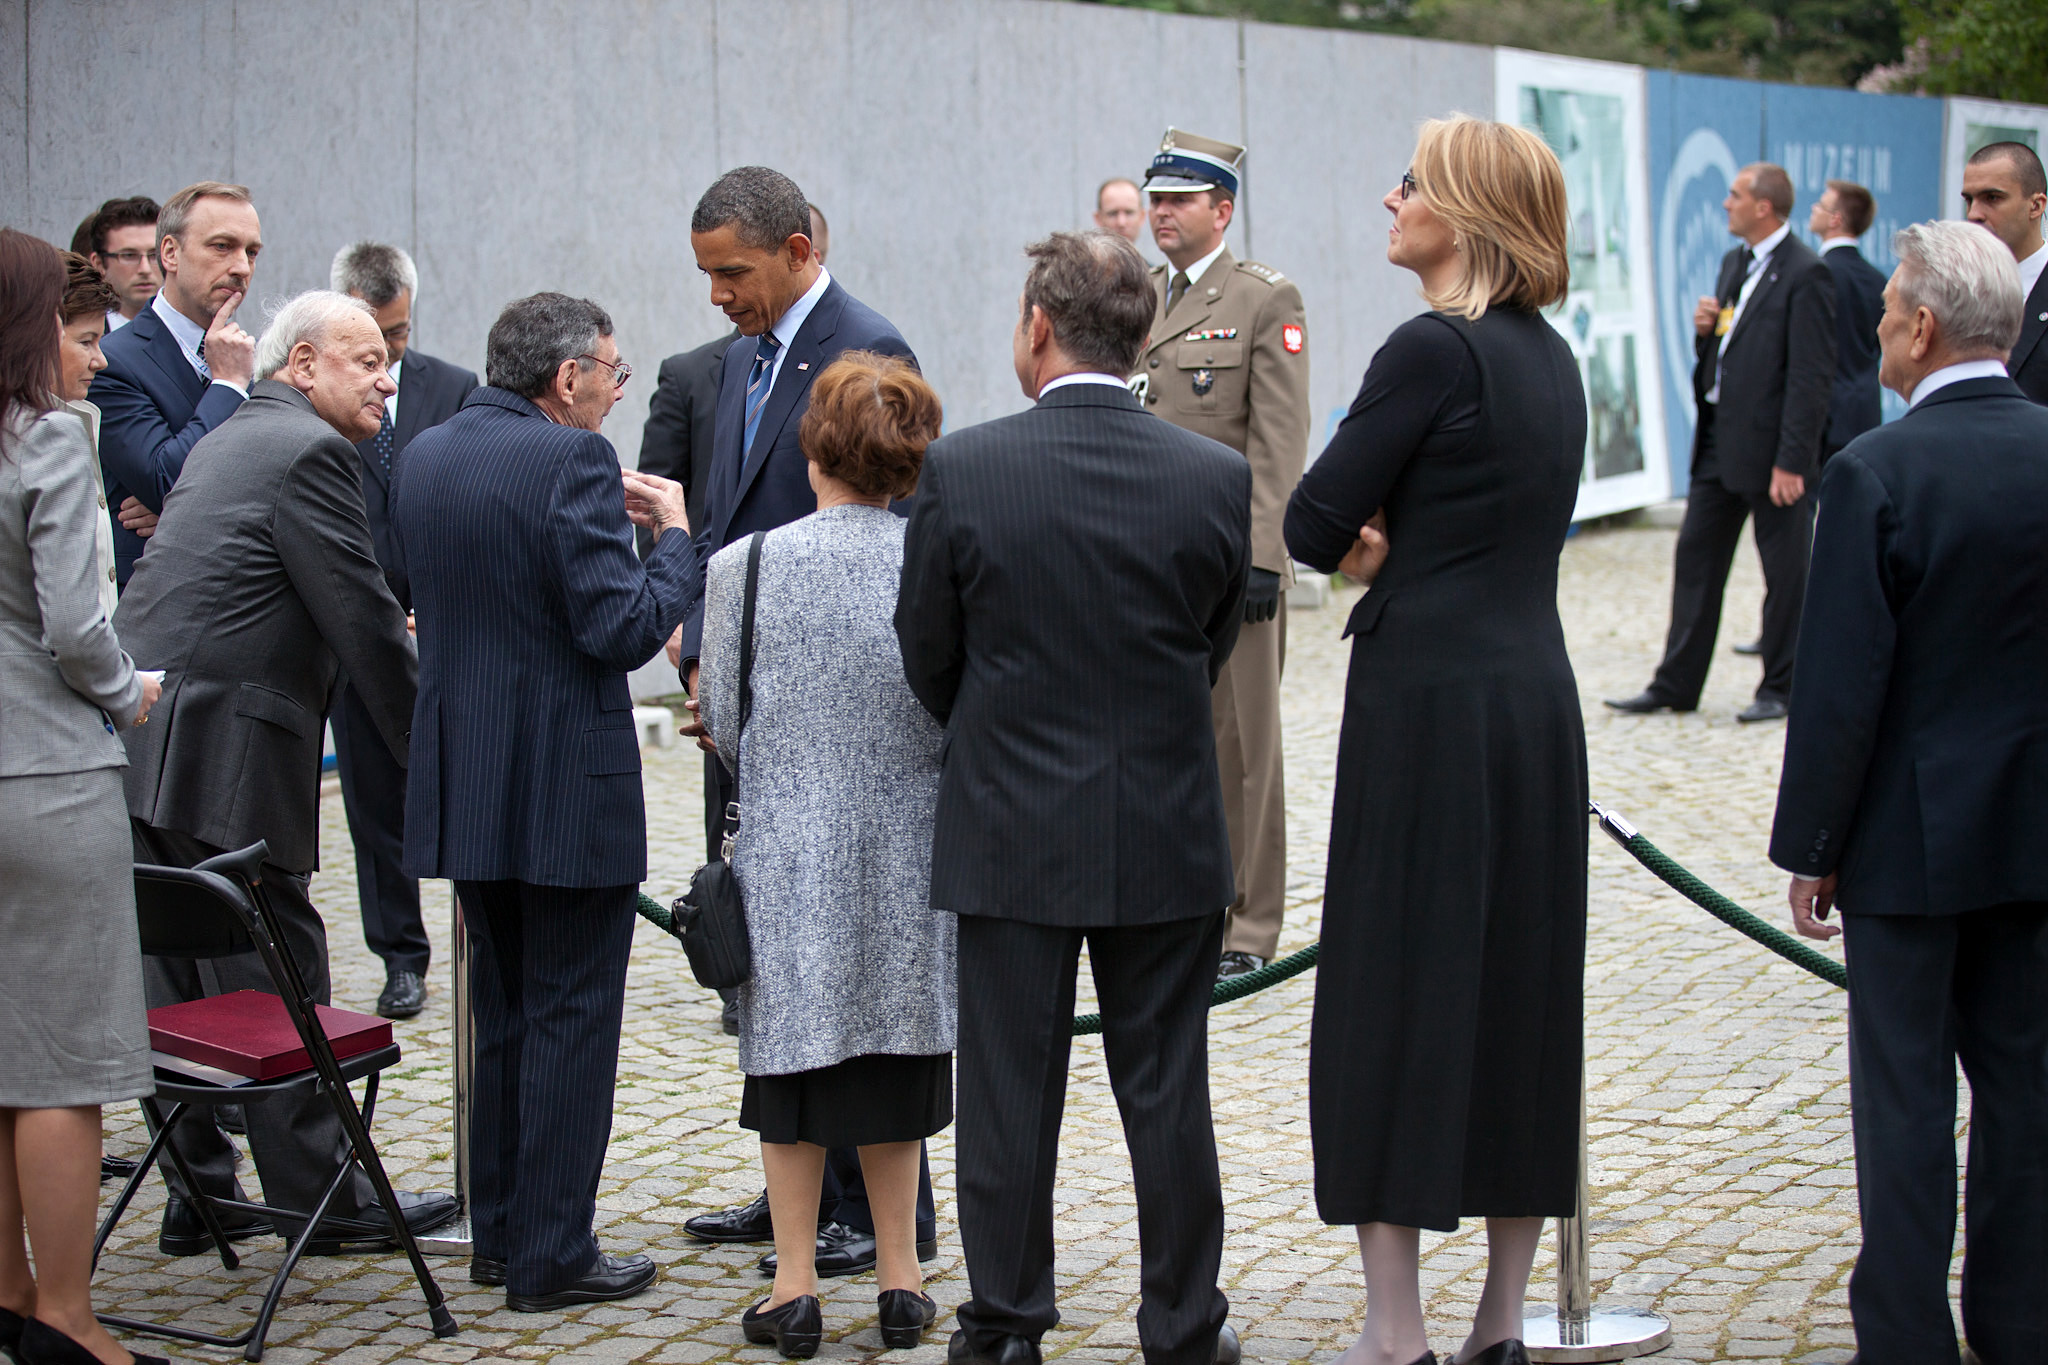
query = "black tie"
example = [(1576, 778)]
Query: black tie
[(1175, 290), (1746, 260)]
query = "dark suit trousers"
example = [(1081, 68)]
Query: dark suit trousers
[(1925, 991), (295, 1140), (547, 983), (1706, 547), (373, 794), (843, 1197), (1154, 982)]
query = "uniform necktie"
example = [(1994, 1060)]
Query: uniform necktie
[(383, 445), (1175, 290), (757, 386)]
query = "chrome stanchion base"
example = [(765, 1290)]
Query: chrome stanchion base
[(450, 1239), (1604, 1334)]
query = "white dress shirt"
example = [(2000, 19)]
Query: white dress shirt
[(1831, 243), (2030, 270), (1084, 377), (792, 321), (391, 399), (190, 336), (1760, 257), (1954, 374), (1198, 269), (115, 322)]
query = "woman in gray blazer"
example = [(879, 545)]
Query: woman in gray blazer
[(73, 1034), (846, 1028)]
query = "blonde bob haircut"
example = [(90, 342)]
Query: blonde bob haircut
[(1500, 190)]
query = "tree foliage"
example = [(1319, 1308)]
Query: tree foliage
[(1994, 48)]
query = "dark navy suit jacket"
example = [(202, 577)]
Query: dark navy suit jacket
[(772, 487), (1916, 762), (430, 391), (532, 608), (2029, 362), (154, 407), (1857, 404)]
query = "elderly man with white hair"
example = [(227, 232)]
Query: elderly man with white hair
[(1915, 799), (259, 585)]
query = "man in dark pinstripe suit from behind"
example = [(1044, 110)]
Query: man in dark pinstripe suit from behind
[(1073, 581)]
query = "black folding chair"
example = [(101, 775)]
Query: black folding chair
[(218, 909)]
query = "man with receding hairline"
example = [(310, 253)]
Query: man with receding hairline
[(1119, 208), (1763, 375), (2005, 190)]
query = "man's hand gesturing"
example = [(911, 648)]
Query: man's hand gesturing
[(655, 502), (230, 352)]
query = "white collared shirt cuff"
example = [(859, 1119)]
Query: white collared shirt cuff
[(236, 387)]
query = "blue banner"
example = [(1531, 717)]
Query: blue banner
[(1703, 129)]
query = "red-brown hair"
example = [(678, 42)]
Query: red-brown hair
[(870, 419), (31, 289), (86, 291)]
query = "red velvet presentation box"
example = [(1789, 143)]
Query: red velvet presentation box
[(249, 1033)]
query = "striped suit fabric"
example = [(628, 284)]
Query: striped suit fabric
[(525, 789), (1073, 580)]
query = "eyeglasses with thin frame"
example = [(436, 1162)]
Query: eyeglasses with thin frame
[(1408, 185), (400, 332), (621, 371), (129, 258)]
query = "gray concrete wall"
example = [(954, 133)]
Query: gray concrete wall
[(516, 145)]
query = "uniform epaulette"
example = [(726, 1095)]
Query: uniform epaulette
[(1264, 272)]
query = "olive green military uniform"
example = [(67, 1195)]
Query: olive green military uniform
[(1231, 362)]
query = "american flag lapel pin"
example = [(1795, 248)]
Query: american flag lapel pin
[(803, 364)]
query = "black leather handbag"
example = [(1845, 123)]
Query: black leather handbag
[(711, 917)]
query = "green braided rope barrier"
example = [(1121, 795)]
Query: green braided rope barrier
[(1228, 989), (1716, 904)]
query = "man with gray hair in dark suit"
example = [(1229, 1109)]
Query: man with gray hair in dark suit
[(259, 585), (1073, 581)]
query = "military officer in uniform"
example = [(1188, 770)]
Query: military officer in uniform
[(1228, 359)]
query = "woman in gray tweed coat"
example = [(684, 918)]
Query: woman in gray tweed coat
[(846, 1027), (73, 1034)]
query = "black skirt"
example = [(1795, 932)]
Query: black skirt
[(855, 1103)]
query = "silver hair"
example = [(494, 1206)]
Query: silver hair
[(1965, 277), (378, 272), (302, 317)]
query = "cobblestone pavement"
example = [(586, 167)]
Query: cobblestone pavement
[(1721, 1164)]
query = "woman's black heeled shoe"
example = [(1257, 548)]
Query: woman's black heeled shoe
[(906, 1314), (1506, 1352), (11, 1324), (42, 1344), (795, 1329)]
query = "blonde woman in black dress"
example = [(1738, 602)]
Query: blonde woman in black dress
[(1444, 1068)]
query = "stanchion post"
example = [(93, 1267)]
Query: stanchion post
[(1576, 1330), (453, 1238)]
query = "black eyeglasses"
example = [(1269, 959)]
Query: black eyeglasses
[(621, 371), (1408, 185)]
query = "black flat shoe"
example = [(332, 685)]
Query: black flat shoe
[(371, 1229), (405, 995), (613, 1277), (905, 1315), (1642, 704), (11, 1324), (113, 1168), (1506, 1352), (795, 1329), (42, 1344), (183, 1234), (1763, 708), (1008, 1350), (486, 1270), (844, 1250), (747, 1223)]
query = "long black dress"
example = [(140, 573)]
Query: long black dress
[(1445, 1062)]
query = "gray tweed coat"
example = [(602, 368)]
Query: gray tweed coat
[(838, 780)]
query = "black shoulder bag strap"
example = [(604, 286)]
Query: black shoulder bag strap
[(732, 807)]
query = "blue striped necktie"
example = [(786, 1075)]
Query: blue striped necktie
[(757, 387)]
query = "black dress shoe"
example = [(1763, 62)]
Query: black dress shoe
[(844, 1250), (729, 1017), (370, 1230), (747, 1223), (42, 1344), (1763, 708), (1008, 1350), (613, 1277), (486, 1270), (11, 1324), (1754, 647), (229, 1118), (111, 1168), (1228, 1351), (1506, 1352), (1642, 704), (795, 1329), (183, 1234), (1238, 964), (405, 995), (905, 1315)]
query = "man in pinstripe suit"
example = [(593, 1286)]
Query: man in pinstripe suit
[(1073, 581), (524, 786)]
